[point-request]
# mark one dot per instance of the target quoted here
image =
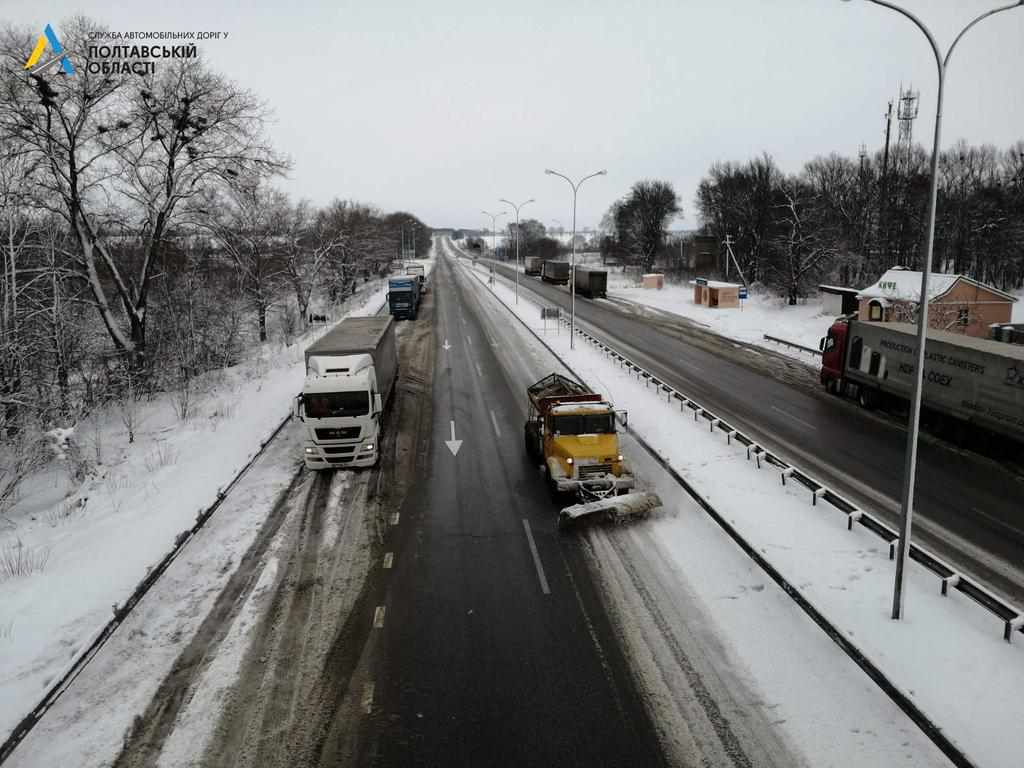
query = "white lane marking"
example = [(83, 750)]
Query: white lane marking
[(394, 518), (389, 560), (479, 370), (794, 418), (469, 340), (536, 558), (378, 617), (494, 421), (368, 698)]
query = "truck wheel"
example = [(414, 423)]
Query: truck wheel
[(865, 398), (832, 387)]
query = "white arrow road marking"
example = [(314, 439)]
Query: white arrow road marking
[(453, 444), (446, 345)]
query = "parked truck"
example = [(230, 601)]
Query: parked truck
[(404, 297), (419, 271), (591, 282), (555, 272), (350, 379), (532, 265), (571, 432), (967, 380)]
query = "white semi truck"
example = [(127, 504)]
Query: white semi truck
[(350, 378)]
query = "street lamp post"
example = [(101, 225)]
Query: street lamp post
[(517, 207), (494, 234), (572, 264), (907, 504)]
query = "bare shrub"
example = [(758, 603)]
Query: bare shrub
[(64, 511), (21, 455), (162, 456), (18, 560), (181, 400)]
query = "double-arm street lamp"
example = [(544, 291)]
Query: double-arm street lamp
[(494, 234), (907, 504), (517, 207), (572, 265)]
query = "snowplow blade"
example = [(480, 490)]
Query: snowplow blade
[(614, 508)]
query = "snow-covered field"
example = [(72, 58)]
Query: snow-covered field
[(947, 652), (96, 541)]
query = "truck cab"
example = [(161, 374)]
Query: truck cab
[(833, 347), (404, 297), (340, 406)]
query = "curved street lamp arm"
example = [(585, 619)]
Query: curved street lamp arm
[(602, 172), (985, 15), (562, 175), (920, 24)]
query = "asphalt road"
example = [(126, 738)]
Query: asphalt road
[(494, 646), (968, 507)]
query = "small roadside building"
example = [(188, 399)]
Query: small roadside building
[(956, 303), (654, 280), (716, 294), (837, 300)]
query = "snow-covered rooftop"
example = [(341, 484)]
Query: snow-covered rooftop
[(905, 285)]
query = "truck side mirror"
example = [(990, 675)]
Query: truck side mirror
[(821, 344), (378, 404), (298, 408), (622, 417)]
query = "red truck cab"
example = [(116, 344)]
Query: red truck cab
[(833, 355)]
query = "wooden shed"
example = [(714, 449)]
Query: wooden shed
[(714, 293), (654, 280)]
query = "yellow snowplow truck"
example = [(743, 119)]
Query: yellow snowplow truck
[(571, 432)]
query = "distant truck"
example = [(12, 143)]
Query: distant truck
[(404, 297), (555, 272), (419, 271), (571, 431), (532, 265), (350, 379), (967, 380), (592, 283)]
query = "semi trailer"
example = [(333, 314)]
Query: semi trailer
[(419, 271), (555, 272), (571, 433), (532, 265), (350, 378), (967, 380), (590, 282)]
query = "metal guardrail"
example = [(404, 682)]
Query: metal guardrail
[(801, 347)]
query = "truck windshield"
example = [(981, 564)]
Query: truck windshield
[(585, 424), (336, 404)]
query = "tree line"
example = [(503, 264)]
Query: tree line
[(142, 239), (850, 219)]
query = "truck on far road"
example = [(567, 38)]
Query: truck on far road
[(418, 270), (967, 381), (532, 265), (350, 378), (571, 432), (404, 297), (555, 272), (591, 282)]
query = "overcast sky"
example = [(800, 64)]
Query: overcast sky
[(441, 108)]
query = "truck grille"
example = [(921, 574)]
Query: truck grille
[(593, 470), (347, 433), (338, 448)]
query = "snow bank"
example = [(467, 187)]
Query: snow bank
[(947, 654)]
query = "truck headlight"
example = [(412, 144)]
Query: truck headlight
[(620, 457), (368, 447), (310, 451), (569, 461)]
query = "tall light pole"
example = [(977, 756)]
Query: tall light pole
[(494, 234), (517, 207), (907, 505), (572, 265)]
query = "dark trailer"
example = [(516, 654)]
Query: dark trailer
[(555, 272), (591, 282)]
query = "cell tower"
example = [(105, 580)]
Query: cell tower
[(907, 114)]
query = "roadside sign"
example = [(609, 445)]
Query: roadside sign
[(701, 281), (743, 293), (553, 312)]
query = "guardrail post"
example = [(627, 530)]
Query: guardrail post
[(1012, 626), (853, 516), (892, 547), (787, 472), (713, 423), (816, 494), (950, 581), (729, 436)]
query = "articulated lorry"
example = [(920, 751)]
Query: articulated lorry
[(404, 297), (418, 270), (571, 432), (532, 265), (967, 380), (555, 272), (592, 283), (350, 379)]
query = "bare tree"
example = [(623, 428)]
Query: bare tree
[(803, 244)]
